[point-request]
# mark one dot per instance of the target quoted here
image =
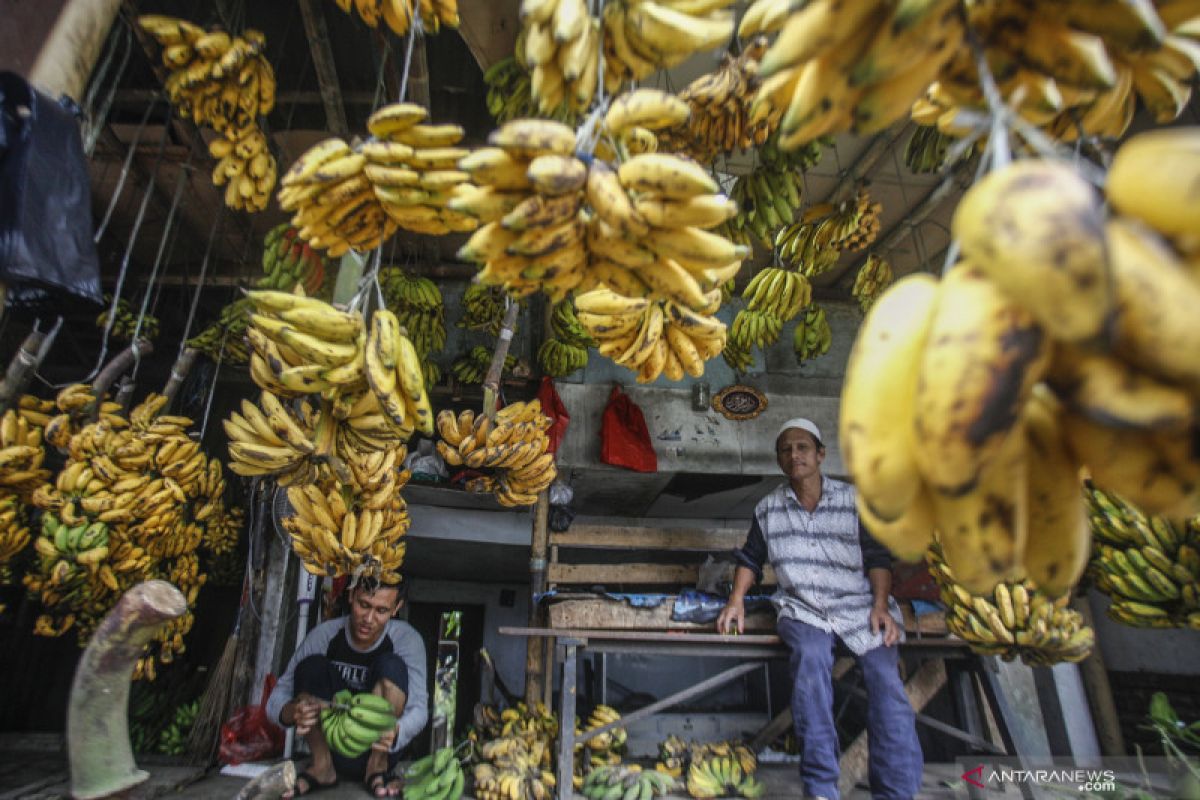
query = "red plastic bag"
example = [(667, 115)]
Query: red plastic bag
[(248, 735), (552, 407), (624, 438)]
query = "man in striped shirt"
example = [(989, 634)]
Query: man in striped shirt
[(834, 581)]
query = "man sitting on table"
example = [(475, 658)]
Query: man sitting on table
[(365, 651), (834, 580)]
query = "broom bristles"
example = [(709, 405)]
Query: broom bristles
[(214, 707)]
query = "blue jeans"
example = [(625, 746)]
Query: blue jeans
[(895, 760)]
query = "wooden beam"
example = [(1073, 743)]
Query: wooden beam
[(537, 670), (624, 538), (613, 574), (882, 144), (313, 14), (137, 98), (489, 27), (783, 720)]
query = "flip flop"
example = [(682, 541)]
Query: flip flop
[(380, 780), (312, 783)]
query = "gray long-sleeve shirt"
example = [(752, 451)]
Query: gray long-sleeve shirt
[(330, 637)]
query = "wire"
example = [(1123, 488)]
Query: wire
[(414, 30), (187, 328), (212, 389), (124, 176)]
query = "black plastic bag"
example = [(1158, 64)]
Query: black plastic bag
[(45, 196)]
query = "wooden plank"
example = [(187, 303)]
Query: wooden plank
[(783, 720), (313, 14), (537, 670), (642, 636), (646, 538), (649, 574), (921, 688), (613, 614)]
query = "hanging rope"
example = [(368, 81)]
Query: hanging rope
[(415, 30), (212, 236), (96, 121), (212, 389), (125, 167)]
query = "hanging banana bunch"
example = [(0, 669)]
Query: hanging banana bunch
[(812, 336), (873, 277), (471, 367), (561, 50), (287, 260), (1148, 566), (418, 304), (773, 297), (566, 351), (643, 36), (1017, 620), (22, 452), (511, 449), (133, 502), (483, 309), (720, 109), (824, 232), (400, 14), (125, 321), (771, 195), (226, 83), (510, 91), (225, 339)]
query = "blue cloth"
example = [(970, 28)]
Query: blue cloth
[(895, 761)]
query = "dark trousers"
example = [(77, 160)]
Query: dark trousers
[(895, 759), (316, 675)]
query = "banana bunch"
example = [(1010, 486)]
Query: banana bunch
[(770, 196), (721, 776), (225, 338), (636, 119), (561, 49), (618, 783), (174, 738), (399, 15), (224, 531), (510, 91), (535, 722), (873, 277), (928, 150), (418, 305), (133, 502), (610, 741), (648, 236), (1076, 68), (754, 329), (471, 367), (245, 167), (125, 321), (226, 570), (511, 446), (512, 781), (22, 451), (567, 350), (1076, 392), (720, 109), (221, 81), (1015, 620), (650, 337), (644, 36), (483, 309), (779, 292), (287, 260), (825, 231), (1149, 566), (837, 67), (704, 750), (812, 336), (14, 534), (438, 776), (528, 194), (354, 721)]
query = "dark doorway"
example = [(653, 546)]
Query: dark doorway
[(426, 617)]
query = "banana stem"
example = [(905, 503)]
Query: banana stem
[(98, 748), (123, 361), (179, 373), (491, 383), (24, 364)]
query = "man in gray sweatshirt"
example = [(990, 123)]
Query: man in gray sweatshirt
[(364, 651)]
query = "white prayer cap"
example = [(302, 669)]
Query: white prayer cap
[(804, 425)]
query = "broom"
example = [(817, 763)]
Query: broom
[(218, 699)]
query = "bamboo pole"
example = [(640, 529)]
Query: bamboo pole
[(24, 364), (121, 362), (179, 373), (491, 383), (536, 671)]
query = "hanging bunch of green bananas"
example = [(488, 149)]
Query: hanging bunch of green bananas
[(927, 150), (567, 350), (125, 321), (825, 231), (471, 368), (773, 297), (173, 740), (227, 334), (510, 93), (567, 327), (872, 279), (812, 336), (770, 196), (1148, 566), (738, 355), (1016, 620), (483, 309), (437, 776), (417, 303), (354, 722), (754, 329), (287, 260), (626, 781)]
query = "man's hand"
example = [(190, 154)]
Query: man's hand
[(386, 740), (306, 710), (733, 617), (881, 620)]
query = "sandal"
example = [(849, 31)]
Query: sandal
[(312, 785), (381, 780)]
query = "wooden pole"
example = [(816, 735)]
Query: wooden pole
[(1094, 675), (69, 53), (491, 383), (179, 373), (123, 361), (536, 670), (22, 366)]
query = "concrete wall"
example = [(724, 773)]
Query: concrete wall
[(1169, 651)]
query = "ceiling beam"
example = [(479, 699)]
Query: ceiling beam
[(882, 144), (137, 98), (322, 55), (489, 27)]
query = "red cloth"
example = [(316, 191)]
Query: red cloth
[(552, 407), (624, 438)]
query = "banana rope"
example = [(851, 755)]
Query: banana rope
[(95, 121), (126, 168)]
